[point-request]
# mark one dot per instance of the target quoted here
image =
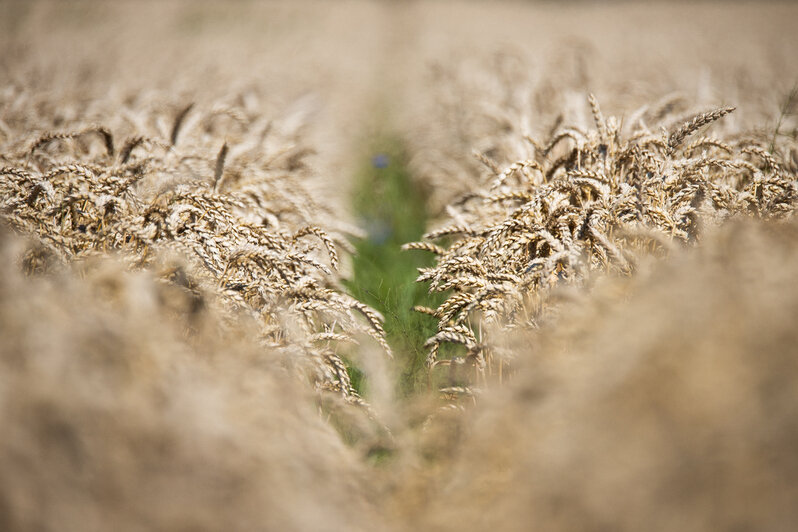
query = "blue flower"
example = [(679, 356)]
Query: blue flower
[(380, 161)]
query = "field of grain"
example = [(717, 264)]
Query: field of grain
[(398, 265)]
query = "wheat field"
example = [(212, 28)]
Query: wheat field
[(398, 265)]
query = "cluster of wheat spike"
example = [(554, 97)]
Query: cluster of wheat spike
[(205, 187), (586, 202)]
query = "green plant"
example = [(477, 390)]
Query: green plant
[(392, 209)]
